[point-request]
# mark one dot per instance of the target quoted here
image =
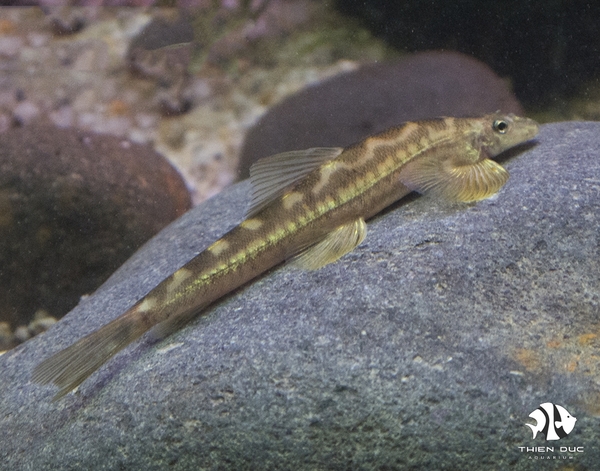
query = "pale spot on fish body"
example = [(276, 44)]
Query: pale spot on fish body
[(218, 247), (252, 224)]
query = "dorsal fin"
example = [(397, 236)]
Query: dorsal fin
[(272, 175), (454, 178)]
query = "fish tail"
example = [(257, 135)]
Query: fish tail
[(68, 368), (533, 429)]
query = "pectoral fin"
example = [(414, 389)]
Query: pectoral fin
[(273, 175), (338, 242), (453, 178)]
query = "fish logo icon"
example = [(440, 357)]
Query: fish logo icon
[(554, 421)]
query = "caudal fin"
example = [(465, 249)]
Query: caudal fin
[(68, 368), (533, 429)]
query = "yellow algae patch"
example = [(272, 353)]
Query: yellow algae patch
[(568, 353), (586, 339), (529, 359), (554, 343), (252, 224), (177, 278), (146, 305), (218, 247), (292, 198), (572, 365)]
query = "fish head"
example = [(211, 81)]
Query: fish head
[(567, 421), (498, 132)]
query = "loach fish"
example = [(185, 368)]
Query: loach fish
[(309, 206)]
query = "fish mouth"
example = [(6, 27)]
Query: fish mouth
[(533, 129), (517, 149), (528, 128)]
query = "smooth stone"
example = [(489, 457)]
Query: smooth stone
[(425, 348), (531, 45), (351, 106), (74, 206), (162, 52)]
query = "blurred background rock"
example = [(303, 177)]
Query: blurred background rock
[(73, 207), (549, 49)]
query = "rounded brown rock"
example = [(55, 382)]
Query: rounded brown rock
[(73, 207)]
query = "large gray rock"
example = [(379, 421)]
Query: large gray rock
[(425, 348)]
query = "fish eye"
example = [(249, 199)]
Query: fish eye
[(500, 126)]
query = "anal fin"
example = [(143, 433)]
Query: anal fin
[(337, 243)]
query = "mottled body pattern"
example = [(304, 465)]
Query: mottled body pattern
[(310, 206)]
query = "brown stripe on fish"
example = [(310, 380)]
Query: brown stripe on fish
[(374, 157), (390, 138)]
